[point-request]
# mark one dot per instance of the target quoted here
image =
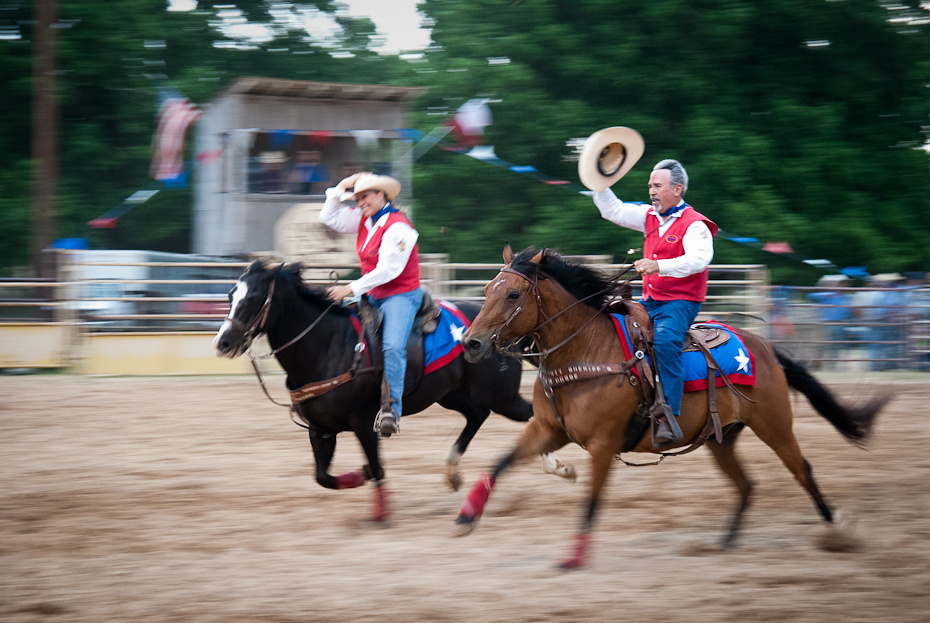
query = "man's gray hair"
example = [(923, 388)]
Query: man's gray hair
[(679, 175)]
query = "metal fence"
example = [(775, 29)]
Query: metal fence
[(851, 328), (864, 328)]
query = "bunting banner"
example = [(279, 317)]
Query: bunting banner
[(110, 218), (470, 120), (486, 154)]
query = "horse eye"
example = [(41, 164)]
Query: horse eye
[(513, 295)]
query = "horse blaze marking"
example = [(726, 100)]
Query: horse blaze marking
[(239, 295)]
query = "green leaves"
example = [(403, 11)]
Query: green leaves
[(797, 121)]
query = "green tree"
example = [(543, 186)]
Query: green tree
[(797, 121), (113, 57)]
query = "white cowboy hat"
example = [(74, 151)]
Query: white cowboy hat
[(386, 183), (607, 155)]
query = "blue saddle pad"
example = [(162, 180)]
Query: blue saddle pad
[(445, 343), (736, 361)]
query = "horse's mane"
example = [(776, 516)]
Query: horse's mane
[(290, 273), (579, 281)]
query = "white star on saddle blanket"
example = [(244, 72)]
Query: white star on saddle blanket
[(457, 332), (743, 361)]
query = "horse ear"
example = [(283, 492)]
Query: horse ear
[(538, 257), (255, 266), (508, 253)]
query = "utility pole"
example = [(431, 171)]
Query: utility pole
[(44, 133)]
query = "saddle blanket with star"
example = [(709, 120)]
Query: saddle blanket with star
[(445, 343), (736, 361)]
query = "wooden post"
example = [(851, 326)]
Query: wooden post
[(44, 134)]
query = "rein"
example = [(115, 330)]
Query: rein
[(551, 379), (255, 327), (253, 358), (257, 323), (574, 372), (534, 288), (274, 352)]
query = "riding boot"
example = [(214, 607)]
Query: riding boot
[(665, 428), (663, 435), (387, 422)]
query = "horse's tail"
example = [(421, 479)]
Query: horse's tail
[(855, 423)]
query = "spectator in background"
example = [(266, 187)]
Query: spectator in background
[(782, 328), (271, 171), (349, 168), (917, 301), (884, 315), (835, 312), (309, 175)]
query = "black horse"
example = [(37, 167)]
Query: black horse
[(317, 345)]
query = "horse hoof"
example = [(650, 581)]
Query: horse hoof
[(570, 565), (571, 474), (840, 536), (579, 553), (454, 481), (463, 527)]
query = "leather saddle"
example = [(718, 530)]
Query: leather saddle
[(700, 337), (426, 321), (711, 336)]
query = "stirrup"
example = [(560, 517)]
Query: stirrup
[(387, 423), (660, 410)]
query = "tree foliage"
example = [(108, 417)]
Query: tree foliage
[(797, 120), (112, 59)]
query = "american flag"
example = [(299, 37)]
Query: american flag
[(176, 114)]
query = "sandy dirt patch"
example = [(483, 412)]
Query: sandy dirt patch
[(193, 500)]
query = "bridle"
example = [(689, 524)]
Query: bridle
[(598, 369), (256, 326), (534, 289)]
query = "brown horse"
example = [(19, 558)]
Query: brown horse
[(562, 306)]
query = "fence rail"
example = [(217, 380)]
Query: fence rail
[(851, 327)]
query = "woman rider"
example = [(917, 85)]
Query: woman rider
[(387, 249)]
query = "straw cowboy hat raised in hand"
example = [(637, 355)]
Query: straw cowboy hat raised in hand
[(607, 155)]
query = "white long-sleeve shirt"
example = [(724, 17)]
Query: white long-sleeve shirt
[(396, 244), (697, 241)]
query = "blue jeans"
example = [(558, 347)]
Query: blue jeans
[(399, 312), (671, 321)]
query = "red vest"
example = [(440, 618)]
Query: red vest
[(690, 288), (407, 280)]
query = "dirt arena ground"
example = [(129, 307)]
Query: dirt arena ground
[(192, 500)]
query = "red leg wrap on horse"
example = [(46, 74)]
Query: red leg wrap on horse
[(474, 503), (579, 554), (381, 505), (350, 480)]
